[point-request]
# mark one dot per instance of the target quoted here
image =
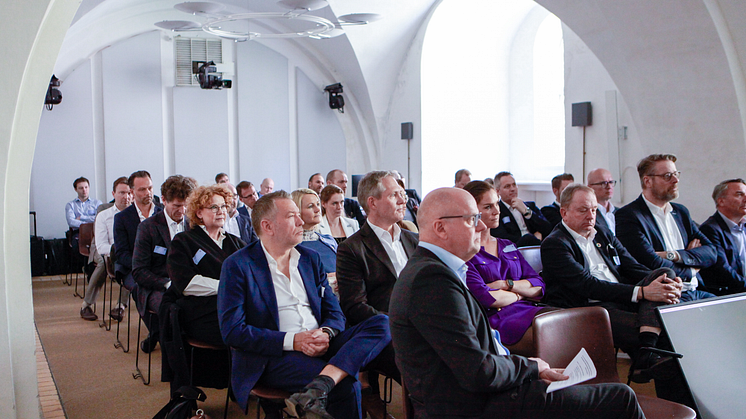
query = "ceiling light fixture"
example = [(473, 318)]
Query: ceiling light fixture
[(307, 5), (321, 27)]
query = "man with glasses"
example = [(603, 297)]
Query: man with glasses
[(238, 223), (602, 183), (659, 233), (447, 353), (369, 263), (247, 195)]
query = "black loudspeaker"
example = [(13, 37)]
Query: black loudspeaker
[(407, 130), (355, 180), (582, 114)]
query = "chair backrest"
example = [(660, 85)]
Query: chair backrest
[(109, 267), (559, 336), (532, 254), (85, 237)]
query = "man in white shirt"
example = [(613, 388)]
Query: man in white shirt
[(278, 312), (660, 233), (104, 238), (521, 221), (237, 223), (369, 263), (602, 183)]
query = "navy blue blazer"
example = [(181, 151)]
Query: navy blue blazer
[(125, 232), (244, 226), (601, 221), (243, 210), (508, 228), (248, 314), (726, 276), (354, 210), (638, 231), (568, 276), (552, 213)]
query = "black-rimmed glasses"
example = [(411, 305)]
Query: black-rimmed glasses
[(471, 219), (605, 184), (667, 176)]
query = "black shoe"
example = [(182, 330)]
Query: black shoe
[(647, 366), (117, 314), (88, 314), (148, 345), (309, 403)]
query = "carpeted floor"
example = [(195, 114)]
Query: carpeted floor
[(95, 380)]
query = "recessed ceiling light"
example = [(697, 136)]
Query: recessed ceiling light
[(174, 25), (200, 7), (359, 18)]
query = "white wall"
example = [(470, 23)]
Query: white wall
[(121, 113)]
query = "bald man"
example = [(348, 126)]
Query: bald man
[(267, 186), (447, 353), (602, 183)]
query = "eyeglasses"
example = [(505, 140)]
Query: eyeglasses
[(218, 208), (667, 176), (605, 184), (471, 219)]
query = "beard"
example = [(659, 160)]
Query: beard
[(667, 194)]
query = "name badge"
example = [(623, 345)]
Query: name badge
[(509, 248), (617, 262), (506, 220), (198, 256), (160, 250)]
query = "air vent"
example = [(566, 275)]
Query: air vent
[(195, 49)]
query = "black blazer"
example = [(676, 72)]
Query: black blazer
[(365, 274), (638, 231), (508, 229), (601, 221), (568, 276), (725, 276), (444, 346), (125, 232), (551, 213), (354, 210), (149, 260)]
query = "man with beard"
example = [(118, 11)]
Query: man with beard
[(658, 233), (316, 183)]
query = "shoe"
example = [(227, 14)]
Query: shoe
[(309, 403), (374, 406), (117, 314), (148, 345), (647, 366), (88, 314)]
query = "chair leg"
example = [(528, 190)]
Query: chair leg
[(138, 374), (103, 306), (118, 344)]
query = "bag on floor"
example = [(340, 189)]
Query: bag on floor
[(183, 404)]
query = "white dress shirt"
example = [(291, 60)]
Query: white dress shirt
[(519, 220), (174, 227), (671, 235), (597, 265), (292, 299), (393, 246), (739, 234), (608, 216), (140, 214), (104, 230), (231, 225)]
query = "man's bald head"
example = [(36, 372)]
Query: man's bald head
[(440, 222)]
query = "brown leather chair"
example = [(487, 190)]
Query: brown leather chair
[(532, 254), (559, 336), (85, 238)]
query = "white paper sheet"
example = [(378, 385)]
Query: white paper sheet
[(581, 369)]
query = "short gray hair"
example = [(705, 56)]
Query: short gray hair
[(569, 193), (265, 208), (721, 187), (372, 185)]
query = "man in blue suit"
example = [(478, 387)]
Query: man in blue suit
[(285, 327), (725, 229), (521, 221), (659, 233)]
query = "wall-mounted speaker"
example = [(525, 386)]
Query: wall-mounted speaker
[(407, 130), (582, 114)]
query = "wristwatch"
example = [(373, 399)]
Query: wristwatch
[(670, 255), (510, 284), (527, 213)]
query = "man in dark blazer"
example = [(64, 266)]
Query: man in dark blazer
[(552, 211), (152, 243), (125, 228), (248, 196), (659, 233), (725, 229), (445, 348), (352, 207), (279, 315), (238, 223), (521, 222), (602, 183), (586, 266), (368, 264)]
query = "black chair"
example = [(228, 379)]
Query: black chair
[(196, 344), (138, 373)]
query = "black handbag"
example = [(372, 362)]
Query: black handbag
[(183, 404)]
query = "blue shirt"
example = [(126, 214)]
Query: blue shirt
[(78, 212)]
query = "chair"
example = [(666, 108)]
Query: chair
[(406, 402), (532, 254), (196, 344), (268, 394), (559, 336), (85, 238), (116, 278), (69, 235), (110, 275), (137, 373)]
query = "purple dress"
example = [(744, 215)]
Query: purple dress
[(513, 320)]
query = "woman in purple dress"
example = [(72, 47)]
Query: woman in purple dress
[(501, 279)]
